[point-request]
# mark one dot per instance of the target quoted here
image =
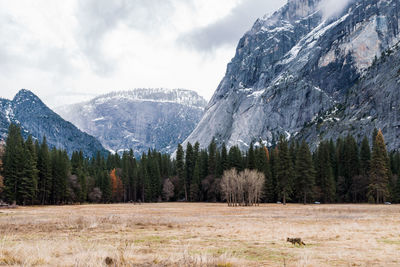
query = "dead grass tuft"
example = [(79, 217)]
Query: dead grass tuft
[(200, 234)]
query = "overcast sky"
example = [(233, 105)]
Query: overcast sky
[(68, 51)]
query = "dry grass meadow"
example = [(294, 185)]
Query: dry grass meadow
[(183, 234)]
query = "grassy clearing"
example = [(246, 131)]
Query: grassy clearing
[(199, 234)]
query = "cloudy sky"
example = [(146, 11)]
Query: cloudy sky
[(68, 51)]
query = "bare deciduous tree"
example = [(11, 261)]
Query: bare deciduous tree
[(168, 189), (244, 188), (95, 195)]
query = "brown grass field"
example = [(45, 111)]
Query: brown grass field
[(200, 234)]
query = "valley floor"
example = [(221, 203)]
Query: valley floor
[(200, 234)]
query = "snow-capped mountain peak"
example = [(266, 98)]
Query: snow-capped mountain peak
[(178, 96), (138, 119)]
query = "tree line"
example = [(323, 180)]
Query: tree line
[(340, 171)]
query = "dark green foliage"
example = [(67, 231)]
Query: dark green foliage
[(324, 179), (251, 158), (379, 170), (155, 185), (365, 157), (223, 161), (190, 161), (212, 150), (13, 163), (235, 159), (43, 165), (19, 168), (59, 168), (360, 182), (284, 171), (304, 172), (196, 182), (337, 172), (180, 168), (28, 186)]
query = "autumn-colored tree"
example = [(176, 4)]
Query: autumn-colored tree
[(117, 188), (266, 153)]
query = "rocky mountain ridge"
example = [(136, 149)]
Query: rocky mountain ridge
[(35, 118), (297, 64), (138, 119)]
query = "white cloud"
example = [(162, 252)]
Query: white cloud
[(69, 51), (332, 8), (229, 29)]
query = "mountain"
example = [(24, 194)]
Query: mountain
[(35, 118), (139, 119), (304, 73)]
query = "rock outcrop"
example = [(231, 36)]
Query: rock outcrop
[(36, 119), (140, 119), (298, 67)]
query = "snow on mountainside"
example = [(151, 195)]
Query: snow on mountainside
[(35, 118), (297, 64), (178, 96), (138, 119)]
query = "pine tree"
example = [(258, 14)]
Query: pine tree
[(223, 162), (274, 163), (143, 181), (293, 148), (263, 165), (304, 172), (28, 186), (365, 157), (132, 172), (125, 174), (333, 160), (189, 165), (351, 166), (196, 151), (217, 163), (374, 134), (251, 159), (284, 173), (180, 167), (13, 163), (204, 164), (155, 177), (324, 174), (44, 182), (235, 158), (106, 187), (195, 186), (212, 150), (395, 168), (59, 168), (359, 185), (379, 178), (79, 168)]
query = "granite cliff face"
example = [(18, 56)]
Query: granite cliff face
[(372, 103), (35, 118), (297, 67), (139, 119)]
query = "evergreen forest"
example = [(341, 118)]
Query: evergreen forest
[(340, 171)]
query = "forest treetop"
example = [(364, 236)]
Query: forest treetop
[(336, 172)]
